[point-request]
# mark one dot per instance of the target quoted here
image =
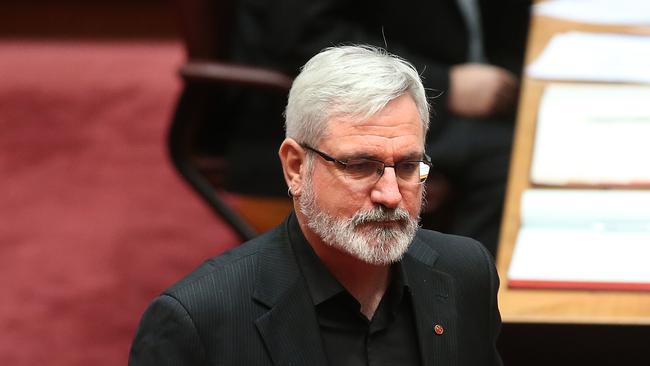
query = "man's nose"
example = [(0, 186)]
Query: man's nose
[(386, 191)]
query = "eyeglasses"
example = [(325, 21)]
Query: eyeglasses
[(368, 171)]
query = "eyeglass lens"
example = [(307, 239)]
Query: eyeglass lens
[(412, 172)]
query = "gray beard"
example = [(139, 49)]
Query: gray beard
[(358, 236)]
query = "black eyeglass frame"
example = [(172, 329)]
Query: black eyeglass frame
[(426, 160)]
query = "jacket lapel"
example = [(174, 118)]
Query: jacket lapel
[(289, 329), (433, 304)]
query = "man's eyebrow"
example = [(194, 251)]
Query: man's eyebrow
[(365, 155), (413, 156)]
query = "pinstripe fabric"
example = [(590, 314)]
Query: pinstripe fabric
[(250, 306)]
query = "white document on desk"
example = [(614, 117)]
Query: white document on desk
[(583, 239), (619, 12), (594, 57), (593, 135)]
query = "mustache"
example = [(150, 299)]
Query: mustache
[(379, 214)]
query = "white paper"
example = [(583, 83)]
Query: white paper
[(607, 209), (594, 56), (584, 236), (568, 255), (621, 12), (590, 134)]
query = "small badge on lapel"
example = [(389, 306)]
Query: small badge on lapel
[(438, 329)]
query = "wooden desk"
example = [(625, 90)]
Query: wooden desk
[(553, 306)]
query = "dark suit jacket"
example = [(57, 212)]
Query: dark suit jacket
[(250, 306)]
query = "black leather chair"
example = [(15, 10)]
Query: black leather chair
[(208, 75)]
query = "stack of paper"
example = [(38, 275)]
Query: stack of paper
[(622, 12), (590, 134), (583, 239), (594, 57)]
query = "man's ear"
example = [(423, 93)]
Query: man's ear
[(292, 156)]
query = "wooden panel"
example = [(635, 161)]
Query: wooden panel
[(553, 306)]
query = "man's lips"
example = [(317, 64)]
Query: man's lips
[(385, 223)]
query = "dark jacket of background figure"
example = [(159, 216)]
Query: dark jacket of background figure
[(284, 34), (251, 306)]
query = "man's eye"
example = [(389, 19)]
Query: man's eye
[(408, 166), (360, 169)]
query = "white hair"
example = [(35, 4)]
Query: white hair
[(356, 81)]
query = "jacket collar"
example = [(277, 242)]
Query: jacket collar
[(433, 304), (289, 328)]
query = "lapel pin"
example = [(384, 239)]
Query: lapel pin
[(438, 329)]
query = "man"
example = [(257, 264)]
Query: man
[(468, 52), (348, 278)]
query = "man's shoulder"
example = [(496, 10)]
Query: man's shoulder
[(448, 243), (465, 262), (450, 251), (232, 270)]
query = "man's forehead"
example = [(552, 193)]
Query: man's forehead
[(344, 128)]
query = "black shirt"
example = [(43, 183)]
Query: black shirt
[(349, 338)]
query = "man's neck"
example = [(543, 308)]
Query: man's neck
[(365, 282)]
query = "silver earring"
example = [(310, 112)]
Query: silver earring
[(289, 193)]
